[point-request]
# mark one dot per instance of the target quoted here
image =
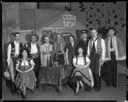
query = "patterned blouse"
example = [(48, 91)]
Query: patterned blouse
[(24, 65)]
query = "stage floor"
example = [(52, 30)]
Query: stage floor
[(106, 93)]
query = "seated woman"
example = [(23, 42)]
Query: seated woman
[(25, 78), (82, 73)]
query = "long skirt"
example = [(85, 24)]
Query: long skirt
[(86, 75), (27, 79)]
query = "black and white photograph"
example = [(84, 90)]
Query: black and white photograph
[(64, 51)]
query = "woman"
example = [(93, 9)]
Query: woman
[(25, 78), (46, 52), (82, 73), (70, 50)]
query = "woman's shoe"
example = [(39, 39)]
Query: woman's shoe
[(30, 90), (76, 92), (23, 96), (82, 87), (18, 92)]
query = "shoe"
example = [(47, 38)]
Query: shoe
[(107, 84), (114, 85), (18, 92), (82, 88), (76, 92), (23, 96), (89, 88), (97, 89), (30, 90)]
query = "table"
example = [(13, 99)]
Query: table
[(54, 75)]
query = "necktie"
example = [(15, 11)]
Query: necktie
[(93, 50), (111, 44), (93, 47)]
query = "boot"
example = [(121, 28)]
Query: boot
[(22, 95), (98, 83)]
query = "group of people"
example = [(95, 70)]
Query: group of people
[(86, 57)]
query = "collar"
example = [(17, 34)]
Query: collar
[(33, 44), (15, 42), (46, 44), (95, 39)]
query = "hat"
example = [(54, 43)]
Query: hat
[(15, 33), (37, 37), (6, 74), (84, 31)]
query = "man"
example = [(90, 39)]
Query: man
[(34, 49), (13, 52), (115, 51), (59, 50), (83, 41), (96, 52)]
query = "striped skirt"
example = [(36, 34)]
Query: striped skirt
[(86, 75), (28, 79)]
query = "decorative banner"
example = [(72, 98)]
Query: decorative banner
[(47, 32), (69, 20)]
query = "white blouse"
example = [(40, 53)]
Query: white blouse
[(25, 63), (81, 60), (33, 49)]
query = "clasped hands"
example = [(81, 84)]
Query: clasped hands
[(34, 56), (80, 67), (102, 61)]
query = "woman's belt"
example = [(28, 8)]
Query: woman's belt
[(14, 56), (24, 68), (59, 52), (112, 50), (47, 53), (35, 55)]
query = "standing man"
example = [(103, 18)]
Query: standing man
[(13, 52), (115, 51), (59, 46), (34, 49), (96, 52), (83, 43)]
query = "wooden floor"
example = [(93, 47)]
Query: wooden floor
[(106, 93)]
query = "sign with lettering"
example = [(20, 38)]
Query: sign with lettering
[(69, 20)]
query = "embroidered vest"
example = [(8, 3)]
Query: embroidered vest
[(61, 46), (99, 48), (13, 49), (20, 60), (28, 45)]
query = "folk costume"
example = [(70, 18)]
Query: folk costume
[(46, 52), (34, 50), (25, 78), (96, 52), (84, 74), (115, 51), (59, 52), (70, 51), (12, 55)]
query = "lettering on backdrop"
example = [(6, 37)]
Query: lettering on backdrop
[(69, 20)]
